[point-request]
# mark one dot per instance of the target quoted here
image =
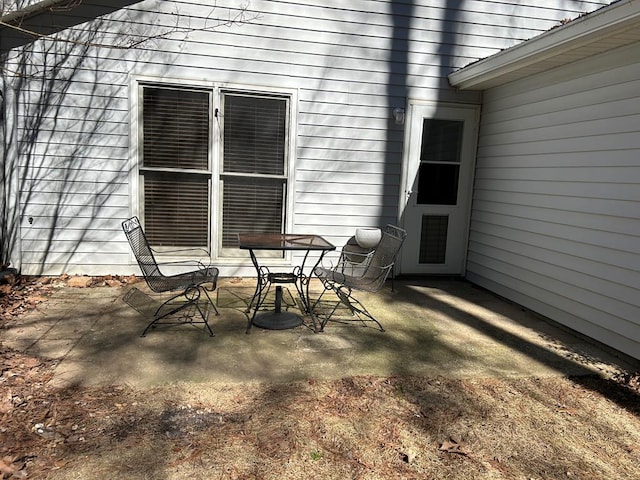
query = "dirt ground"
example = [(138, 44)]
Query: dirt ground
[(356, 427)]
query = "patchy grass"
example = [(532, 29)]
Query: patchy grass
[(359, 427)]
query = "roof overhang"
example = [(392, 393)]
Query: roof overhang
[(42, 18), (610, 27)]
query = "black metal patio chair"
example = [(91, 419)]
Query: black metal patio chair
[(187, 286), (366, 271)]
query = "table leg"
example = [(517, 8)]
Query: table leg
[(307, 301), (278, 305), (273, 320)]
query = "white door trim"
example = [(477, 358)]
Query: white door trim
[(409, 168)]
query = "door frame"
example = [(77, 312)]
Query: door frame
[(406, 182)]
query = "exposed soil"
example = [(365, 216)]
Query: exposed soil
[(356, 427)]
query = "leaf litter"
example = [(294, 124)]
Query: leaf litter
[(357, 427)]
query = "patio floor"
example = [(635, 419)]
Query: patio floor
[(434, 327)]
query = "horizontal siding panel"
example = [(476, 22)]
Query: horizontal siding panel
[(95, 177), (360, 211), (603, 246), (340, 188), (81, 246), (599, 143), (311, 168), (626, 228), (71, 235), (602, 172), (577, 131), (556, 213), (615, 208), (65, 210), (91, 145), (335, 201), (331, 134), (355, 180), (89, 200), (69, 262), (365, 161), (556, 257), (575, 160), (344, 144), (100, 221), (339, 221), (585, 190), (109, 165), (581, 112), (585, 302), (574, 314)]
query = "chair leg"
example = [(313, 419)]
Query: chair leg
[(327, 286), (206, 292), (356, 307), (192, 295)]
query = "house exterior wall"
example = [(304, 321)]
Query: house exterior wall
[(349, 64), (556, 211)]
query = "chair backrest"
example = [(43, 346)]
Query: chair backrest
[(144, 255), (384, 257)]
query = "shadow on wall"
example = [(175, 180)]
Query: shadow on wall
[(65, 124)]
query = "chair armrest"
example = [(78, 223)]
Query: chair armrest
[(179, 250), (194, 263)]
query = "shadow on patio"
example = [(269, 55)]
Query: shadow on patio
[(434, 328)]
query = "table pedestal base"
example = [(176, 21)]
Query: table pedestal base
[(277, 320)]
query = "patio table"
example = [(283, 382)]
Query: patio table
[(278, 319)]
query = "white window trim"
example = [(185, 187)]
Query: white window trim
[(215, 206)]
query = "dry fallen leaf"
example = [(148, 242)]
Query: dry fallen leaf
[(451, 446)]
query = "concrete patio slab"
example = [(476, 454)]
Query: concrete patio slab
[(434, 327)]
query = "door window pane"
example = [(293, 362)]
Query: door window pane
[(438, 184), (441, 140), (439, 169)]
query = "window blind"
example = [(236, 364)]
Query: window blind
[(176, 129), (174, 170), (176, 210), (254, 134), (251, 206), (254, 165)]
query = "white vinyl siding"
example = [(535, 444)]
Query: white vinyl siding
[(350, 64), (556, 212)]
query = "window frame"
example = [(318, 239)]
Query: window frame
[(285, 178), (217, 90)]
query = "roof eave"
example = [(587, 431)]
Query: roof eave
[(589, 29)]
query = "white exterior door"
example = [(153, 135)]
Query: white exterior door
[(437, 181)]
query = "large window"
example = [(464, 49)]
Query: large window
[(175, 169), (254, 172), (184, 203)]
